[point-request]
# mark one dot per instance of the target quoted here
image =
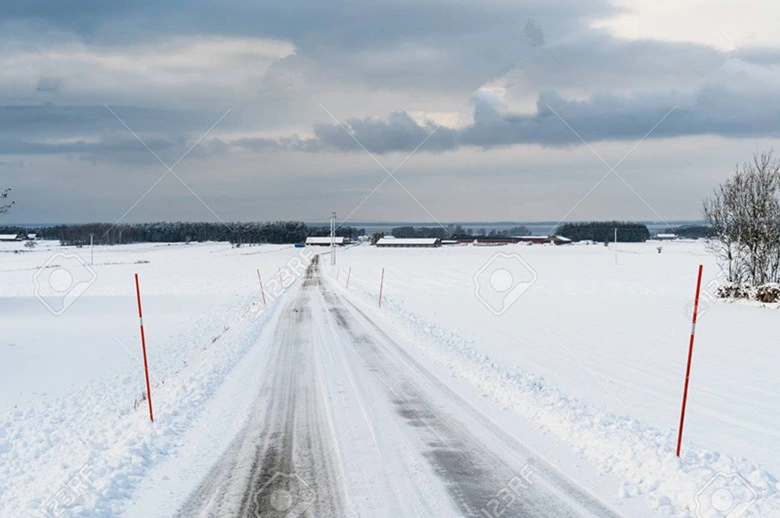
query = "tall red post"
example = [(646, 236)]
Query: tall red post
[(381, 285), (262, 290), (143, 347), (690, 356)]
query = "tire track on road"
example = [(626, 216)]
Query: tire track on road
[(348, 423)]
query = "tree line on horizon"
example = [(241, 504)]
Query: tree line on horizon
[(603, 231), (278, 232), (599, 231), (286, 232), (454, 231), (627, 232)]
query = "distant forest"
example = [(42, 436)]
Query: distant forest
[(691, 231), (627, 232), (456, 231), (601, 231), (594, 231), (278, 232)]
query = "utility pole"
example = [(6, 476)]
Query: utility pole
[(92, 250), (332, 238), (616, 250)]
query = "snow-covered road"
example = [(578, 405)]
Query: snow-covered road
[(348, 423), (377, 405)]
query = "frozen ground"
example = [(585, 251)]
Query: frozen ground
[(584, 369), (608, 337)]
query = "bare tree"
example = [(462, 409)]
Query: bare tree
[(5, 207), (744, 213), (725, 244)]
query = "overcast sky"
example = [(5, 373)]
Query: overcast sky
[(420, 110)]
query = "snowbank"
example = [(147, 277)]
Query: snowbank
[(620, 442)]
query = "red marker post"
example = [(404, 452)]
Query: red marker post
[(690, 356), (381, 285), (143, 347), (262, 290), (349, 273)]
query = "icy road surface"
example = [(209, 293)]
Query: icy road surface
[(378, 436)]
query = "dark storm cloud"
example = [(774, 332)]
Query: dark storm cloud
[(407, 44), (712, 111), (399, 132), (121, 148), (95, 132), (428, 48), (309, 23), (48, 85), (50, 120)]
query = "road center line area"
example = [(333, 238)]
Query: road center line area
[(349, 423)]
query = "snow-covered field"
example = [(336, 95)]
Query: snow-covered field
[(585, 366), (72, 385)]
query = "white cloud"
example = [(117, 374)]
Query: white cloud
[(172, 72), (724, 24), (391, 72)]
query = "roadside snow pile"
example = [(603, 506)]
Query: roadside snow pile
[(83, 455), (75, 436), (642, 456)]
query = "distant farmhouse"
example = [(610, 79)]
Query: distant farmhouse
[(325, 241), (495, 241), (409, 242), (487, 241), (667, 237), (10, 237), (556, 240)]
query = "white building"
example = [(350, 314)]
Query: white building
[(413, 242), (325, 241)]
